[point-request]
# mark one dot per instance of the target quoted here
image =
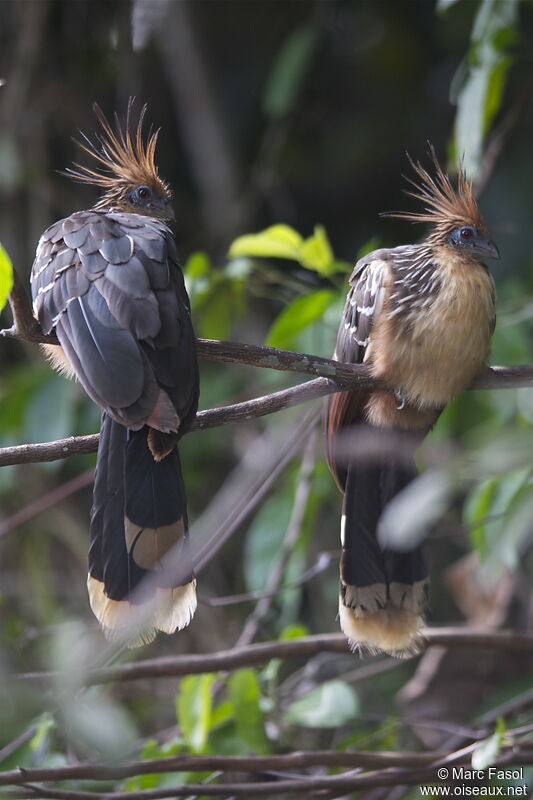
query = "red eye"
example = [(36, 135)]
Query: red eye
[(466, 233), (143, 192)]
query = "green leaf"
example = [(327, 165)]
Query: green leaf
[(197, 265), (45, 724), (293, 632), (476, 509), (297, 316), (245, 694), (282, 241), (488, 750), (330, 705), (193, 709), (222, 714), (6, 277), (488, 63), (288, 72), (264, 538), (316, 252), (278, 241)]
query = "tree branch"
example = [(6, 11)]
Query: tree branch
[(347, 781), (290, 761), (345, 376), (496, 377), (306, 646), (334, 376)]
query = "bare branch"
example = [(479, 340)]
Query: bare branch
[(253, 622), (294, 760), (345, 376), (306, 646), (45, 501), (495, 378), (334, 376), (389, 774)]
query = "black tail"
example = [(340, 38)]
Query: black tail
[(139, 553), (382, 592)]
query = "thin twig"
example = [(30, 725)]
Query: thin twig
[(322, 563), (46, 501), (275, 576)]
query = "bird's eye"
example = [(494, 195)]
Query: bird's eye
[(143, 192), (466, 233)]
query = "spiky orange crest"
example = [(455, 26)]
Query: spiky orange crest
[(445, 207), (125, 159)]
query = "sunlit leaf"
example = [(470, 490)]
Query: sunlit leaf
[(487, 751), (245, 695), (193, 708), (288, 72), (330, 705), (278, 241), (6, 276), (297, 316), (282, 241), (316, 252)]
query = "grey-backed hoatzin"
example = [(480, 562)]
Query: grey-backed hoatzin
[(421, 317), (107, 281)]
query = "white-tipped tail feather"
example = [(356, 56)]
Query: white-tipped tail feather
[(390, 626), (170, 611)]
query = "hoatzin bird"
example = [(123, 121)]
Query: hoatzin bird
[(107, 281), (421, 316)]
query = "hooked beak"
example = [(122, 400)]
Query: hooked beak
[(487, 248), (163, 208)]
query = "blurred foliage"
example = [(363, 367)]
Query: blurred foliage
[(479, 84), (311, 106), (6, 276)]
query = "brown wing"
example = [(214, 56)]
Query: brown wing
[(364, 302), (110, 286)]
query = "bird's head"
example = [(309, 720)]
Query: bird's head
[(125, 168), (453, 213)]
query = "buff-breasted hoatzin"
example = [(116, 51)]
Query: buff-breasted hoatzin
[(107, 282), (421, 317)]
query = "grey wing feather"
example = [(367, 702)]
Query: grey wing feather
[(108, 282)]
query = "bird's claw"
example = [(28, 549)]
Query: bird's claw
[(401, 400)]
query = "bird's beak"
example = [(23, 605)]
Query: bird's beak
[(487, 248), (163, 208)]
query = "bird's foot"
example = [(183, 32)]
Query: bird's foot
[(402, 401)]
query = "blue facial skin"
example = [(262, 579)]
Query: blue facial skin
[(468, 239)]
